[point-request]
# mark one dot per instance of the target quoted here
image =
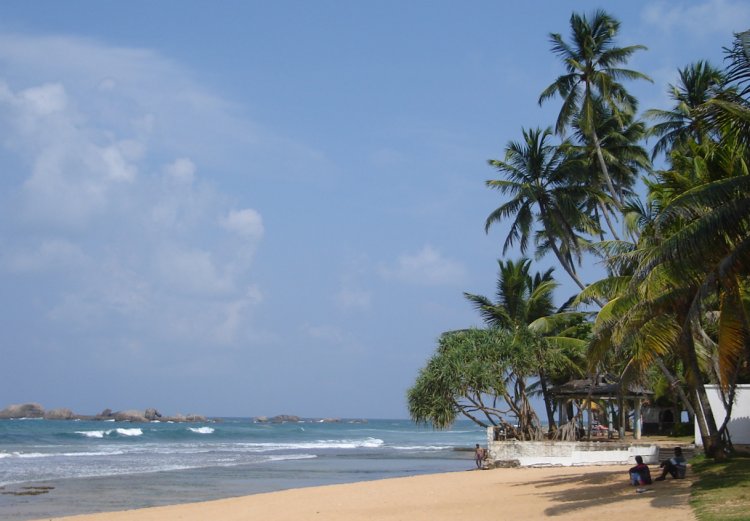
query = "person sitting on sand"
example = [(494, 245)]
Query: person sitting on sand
[(479, 455), (676, 466), (640, 474)]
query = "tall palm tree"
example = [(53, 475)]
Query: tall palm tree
[(593, 74), (698, 83), (693, 255), (624, 156), (538, 179)]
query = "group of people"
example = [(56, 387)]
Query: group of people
[(640, 475)]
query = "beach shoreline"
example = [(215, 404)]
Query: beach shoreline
[(522, 493)]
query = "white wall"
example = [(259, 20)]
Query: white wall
[(568, 453), (739, 425)]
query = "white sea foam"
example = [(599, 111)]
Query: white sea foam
[(420, 447), (285, 457), (129, 432), (367, 443), (33, 455), (25, 455), (93, 434), (201, 430), (102, 434)]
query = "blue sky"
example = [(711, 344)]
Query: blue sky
[(252, 208)]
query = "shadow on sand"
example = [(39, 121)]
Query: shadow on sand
[(608, 489)]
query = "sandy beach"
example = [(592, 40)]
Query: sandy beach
[(532, 493)]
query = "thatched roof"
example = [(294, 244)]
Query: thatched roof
[(605, 386)]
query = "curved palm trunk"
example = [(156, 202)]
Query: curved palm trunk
[(569, 269), (675, 384), (703, 413), (605, 213), (605, 171)]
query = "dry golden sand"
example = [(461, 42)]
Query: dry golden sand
[(577, 493)]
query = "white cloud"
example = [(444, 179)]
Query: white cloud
[(191, 271), (247, 223), (721, 17), (44, 100), (104, 196), (353, 299), (427, 267), (235, 313), (49, 254), (181, 170)]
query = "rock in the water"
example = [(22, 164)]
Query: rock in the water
[(24, 410), (261, 419), (129, 416), (152, 414), (282, 418), (59, 414)]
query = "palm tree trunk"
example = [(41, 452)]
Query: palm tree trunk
[(703, 412), (605, 171), (674, 383), (570, 271), (605, 213)]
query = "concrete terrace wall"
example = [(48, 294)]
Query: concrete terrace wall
[(567, 453)]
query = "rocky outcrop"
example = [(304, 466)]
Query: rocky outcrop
[(185, 418), (260, 419), (34, 410), (24, 410), (152, 414), (285, 418), (130, 416), (60, 414)]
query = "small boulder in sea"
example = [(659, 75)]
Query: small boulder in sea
[(260, 419), (24, 410), (106, 414)]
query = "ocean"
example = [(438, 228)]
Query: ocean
[(60, 467)]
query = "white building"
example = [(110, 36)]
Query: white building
[(739, 425)]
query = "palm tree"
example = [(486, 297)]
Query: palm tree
[(524, 306), (693, 255), (698, 83), (624, 156), (593, 73), (539, 182), (521, 297)]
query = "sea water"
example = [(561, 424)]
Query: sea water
[(60, 467)]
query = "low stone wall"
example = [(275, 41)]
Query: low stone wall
[(567, 453)]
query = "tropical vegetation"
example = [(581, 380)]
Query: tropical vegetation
[(673, 311)]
